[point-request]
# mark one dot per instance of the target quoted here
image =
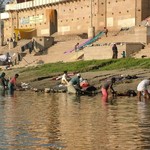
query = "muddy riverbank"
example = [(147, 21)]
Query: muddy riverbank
[(126, 79)]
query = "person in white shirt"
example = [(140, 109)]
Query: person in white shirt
[(142, 89), (65, 78)]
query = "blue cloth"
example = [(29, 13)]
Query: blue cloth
[(75, 81)]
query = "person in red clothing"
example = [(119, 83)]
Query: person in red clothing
[(108, 85), (12, 83)]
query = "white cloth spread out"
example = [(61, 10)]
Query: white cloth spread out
[(3, 57)]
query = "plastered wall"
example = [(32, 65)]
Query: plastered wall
[(78, 15), (105, 52)]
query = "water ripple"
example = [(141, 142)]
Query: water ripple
[(32, 121)]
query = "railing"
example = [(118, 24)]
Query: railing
[(87, 42), (30, 4)]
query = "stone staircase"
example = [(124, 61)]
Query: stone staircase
[(54, 54), (143, 53), (5, 49), (116, 36), (67, 42), (125, 36)]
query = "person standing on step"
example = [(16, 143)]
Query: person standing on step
[(30, 46), (76, 47), (105, 31), (115, 51)]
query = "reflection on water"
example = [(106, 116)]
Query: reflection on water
[(33, 121)]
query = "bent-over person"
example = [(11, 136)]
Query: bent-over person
[(74, 84), (12, 83), (108, 85), (142, 89)]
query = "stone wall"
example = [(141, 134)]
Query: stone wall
[(148, 35), (133, 48), (145, 9), (43, 43), (136, 35), (77, 16), (105, 52), (102, 52), (121, 13)]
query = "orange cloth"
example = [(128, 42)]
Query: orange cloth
[(84, 84)]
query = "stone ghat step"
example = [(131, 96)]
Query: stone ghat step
[(142, 56), (67, 37), (29, 60), (147, 46), (67, 45), (114, 39), (143, 52), (54, 54)]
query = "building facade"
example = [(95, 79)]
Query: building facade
[(46, 17)]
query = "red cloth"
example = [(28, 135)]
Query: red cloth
[(84, 84)]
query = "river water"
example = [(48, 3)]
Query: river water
[(37, 121)]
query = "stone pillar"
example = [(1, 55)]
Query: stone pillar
[(91, 32)]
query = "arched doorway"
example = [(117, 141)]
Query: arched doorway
[(53, 21)]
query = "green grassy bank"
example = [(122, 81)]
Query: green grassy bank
[(84, 66), (92, 65), (53, 69)]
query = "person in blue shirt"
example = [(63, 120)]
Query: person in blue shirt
[(74, 84)]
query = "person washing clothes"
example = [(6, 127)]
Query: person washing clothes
[(12, 84), (106, 86), (65, 78), (74, 84), (142, 89)]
